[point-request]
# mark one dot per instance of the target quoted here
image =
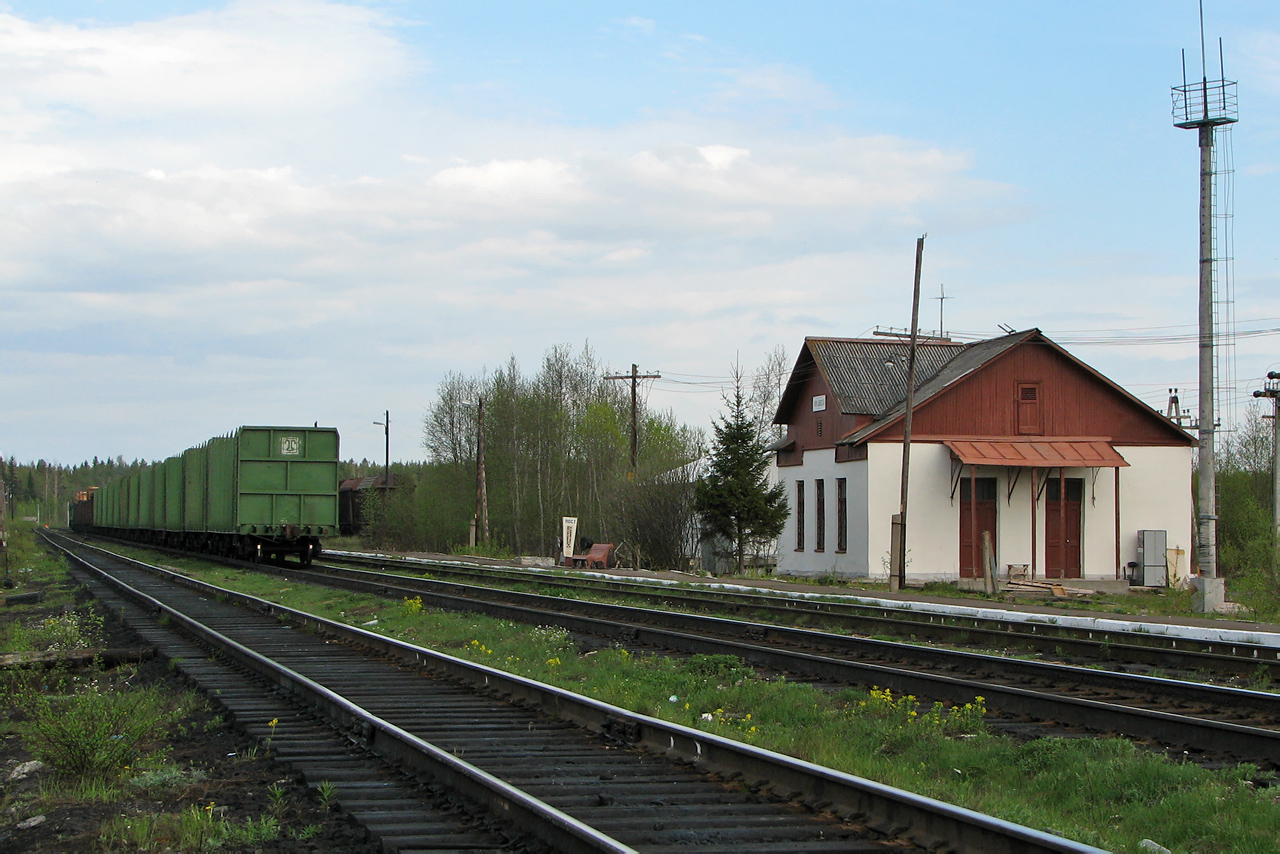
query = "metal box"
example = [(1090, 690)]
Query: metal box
[(1153, 568)]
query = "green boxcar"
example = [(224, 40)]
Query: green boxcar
[(146, 504), (157, 496), (173, 494), (258, 491), (193, 503)]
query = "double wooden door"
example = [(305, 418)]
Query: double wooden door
[(1062, 528)]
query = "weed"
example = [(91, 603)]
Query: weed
[(166, 777), (303, 834), (411, 607), (327, 792), (278, 795), (271, 723), (1261, 679), (194, 829)]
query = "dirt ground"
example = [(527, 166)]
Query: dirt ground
[(230, 774)]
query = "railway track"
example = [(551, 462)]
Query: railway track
[(1110, 641), (1208, 723), (575, 773)]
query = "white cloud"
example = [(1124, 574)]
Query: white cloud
[(249, 56), (204, 201), (722, 156), (644, 26), (631, 253), (511, 179)]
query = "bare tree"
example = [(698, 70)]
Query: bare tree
[(767, 384)]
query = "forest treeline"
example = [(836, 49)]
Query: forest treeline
[(557, 442)]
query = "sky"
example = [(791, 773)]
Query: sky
[(215, 214)]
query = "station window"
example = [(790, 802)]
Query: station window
[(842, 515), (799, 515), (820, 515)]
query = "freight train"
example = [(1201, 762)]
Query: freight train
[(259, 492)]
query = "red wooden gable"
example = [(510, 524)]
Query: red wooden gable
[(1036, 389)]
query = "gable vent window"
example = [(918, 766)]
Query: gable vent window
[(1030, 421), (819, 426)]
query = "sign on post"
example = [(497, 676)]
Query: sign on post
[(569, 533)]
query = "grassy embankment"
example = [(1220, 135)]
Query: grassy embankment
[(104, 738), (1106, 792)]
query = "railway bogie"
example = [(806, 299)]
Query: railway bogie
[(259, 492)]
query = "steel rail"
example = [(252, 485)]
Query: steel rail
[(927, 822), (1097, 643), (745, 639), (563, 832)]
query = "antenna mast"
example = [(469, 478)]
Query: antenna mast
[(1205, 106)]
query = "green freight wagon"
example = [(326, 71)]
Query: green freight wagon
[(260, 491)]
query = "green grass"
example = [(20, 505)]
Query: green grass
[(28, 565), (194, 829), (1105, 792)]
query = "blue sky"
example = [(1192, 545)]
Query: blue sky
[(214, 214)]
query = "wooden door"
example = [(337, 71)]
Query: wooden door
[(1062, 558), (976, 517)]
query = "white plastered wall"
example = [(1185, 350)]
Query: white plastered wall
[(821, 465), (1155, 493), (933, 521)]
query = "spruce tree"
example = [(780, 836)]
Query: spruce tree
[(734, 500)]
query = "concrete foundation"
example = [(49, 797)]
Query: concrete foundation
[(1210, 594)]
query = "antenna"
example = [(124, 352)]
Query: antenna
[(1204, 68), (941, 298)]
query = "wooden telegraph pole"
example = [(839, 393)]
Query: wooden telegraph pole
[(635, 376), (482, 489), (898, 554)]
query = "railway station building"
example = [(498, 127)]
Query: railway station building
[(1013, 439)]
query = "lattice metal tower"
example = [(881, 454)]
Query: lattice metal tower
[(1206, 106)]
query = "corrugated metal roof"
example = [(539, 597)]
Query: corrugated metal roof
[(964, 362), (1039, 453), (869, 377)]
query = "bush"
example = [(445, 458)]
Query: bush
[(95, 734)]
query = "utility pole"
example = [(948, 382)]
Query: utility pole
[(482, 490), (1203, 107), (898, 556), (1272, 390), (635, 376), (385, 424)]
